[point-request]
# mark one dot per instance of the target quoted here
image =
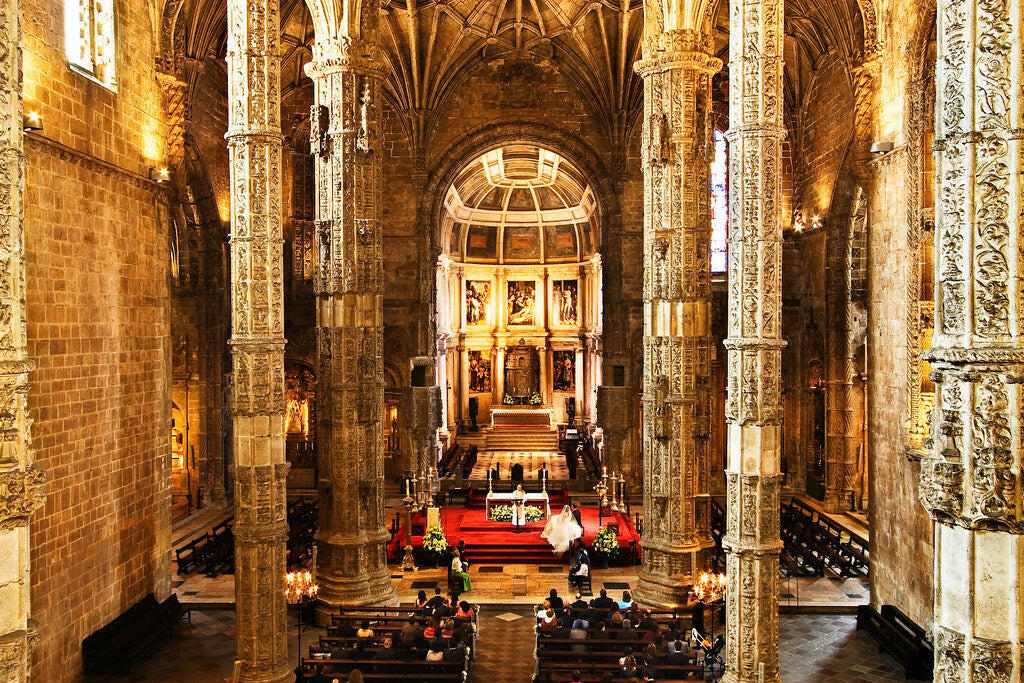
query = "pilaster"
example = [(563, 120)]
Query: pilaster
[(345, 143), (754, 345), (22, 489), (257, 339), (677, 315), (971, 477)]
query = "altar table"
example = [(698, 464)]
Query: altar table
[(520, 416), (508, 498)]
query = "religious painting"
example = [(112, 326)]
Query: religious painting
[(478, 301), (560, 242), (522, 243), (479, 372), (482, 243), (564, 371), (522, 302), (565, 298)]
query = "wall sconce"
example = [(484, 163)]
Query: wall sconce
[(798, 225), (816, 222), (883, 147), (159, 175), (32, 121)]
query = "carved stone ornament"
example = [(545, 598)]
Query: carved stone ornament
[(21, 493)]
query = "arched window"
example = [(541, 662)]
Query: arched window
[(89, 38), (719, 205)]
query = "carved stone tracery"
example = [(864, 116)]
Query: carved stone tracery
[(257, 339), (754, 344), (677, 296), (971, 477), (345, 142)]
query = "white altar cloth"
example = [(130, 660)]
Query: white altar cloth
[(507, 498)]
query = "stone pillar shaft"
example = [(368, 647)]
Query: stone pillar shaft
[(677, 320), (21, 481), (345, 143), (971, 478), (257, 339), (753, 404)]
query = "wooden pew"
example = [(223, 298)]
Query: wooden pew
[(112, 648), (899, 636)]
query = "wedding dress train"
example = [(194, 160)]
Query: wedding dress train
[(561, 530)]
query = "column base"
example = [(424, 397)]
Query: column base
[(281, 676), (666, 576), (733, 677), (355, 583)]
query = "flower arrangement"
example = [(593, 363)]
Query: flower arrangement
[(503, 513), (535, 400), (434, 543), (606, 545), (508, 400)]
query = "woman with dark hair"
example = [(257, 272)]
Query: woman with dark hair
[(421, 601), (436, 651), (465, 611)]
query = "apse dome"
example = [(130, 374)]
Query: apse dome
[(520, 204)]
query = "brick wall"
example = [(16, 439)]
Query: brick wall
[(97, 262)]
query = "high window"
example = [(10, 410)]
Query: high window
[(719, 206), (89, 38)]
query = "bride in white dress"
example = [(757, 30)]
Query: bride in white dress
[(561, 530)]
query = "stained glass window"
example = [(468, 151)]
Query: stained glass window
[(719, 205)]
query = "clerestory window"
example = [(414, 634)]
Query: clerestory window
[(89, 38)]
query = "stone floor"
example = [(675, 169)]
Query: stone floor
[(528, 584), (813, 649)]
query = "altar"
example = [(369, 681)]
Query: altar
[(507, 498), (521, 416)]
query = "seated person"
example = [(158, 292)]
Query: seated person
[(388, 652), (465, 611), (604, 602), (448, 628), (460, 572), (555, 601), (628, 663), (421, 601), (627, 600), (578, 575), (433, 629), (548, 622), (578, 632), (434, 602), (436, 651), (346, 630), (647, 623), (678, 652), (365, 631), (579, 603), (410, 632)]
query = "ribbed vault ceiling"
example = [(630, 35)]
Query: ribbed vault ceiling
[(431, 44)]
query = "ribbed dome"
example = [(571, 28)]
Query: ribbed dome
[(520, 204)]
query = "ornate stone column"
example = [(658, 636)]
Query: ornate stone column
[(257, 339), (753, 405), (971, 479), (677, 313), (21, 481), (345, 143)]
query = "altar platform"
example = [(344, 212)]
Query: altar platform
[(499, 543), (521, 416)]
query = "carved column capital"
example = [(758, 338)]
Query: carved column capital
[(22, 492)]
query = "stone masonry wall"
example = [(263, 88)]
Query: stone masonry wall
[(97, 257)]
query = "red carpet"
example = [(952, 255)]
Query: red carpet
[(490, 542)]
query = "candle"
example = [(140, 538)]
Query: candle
[(406, 486)]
